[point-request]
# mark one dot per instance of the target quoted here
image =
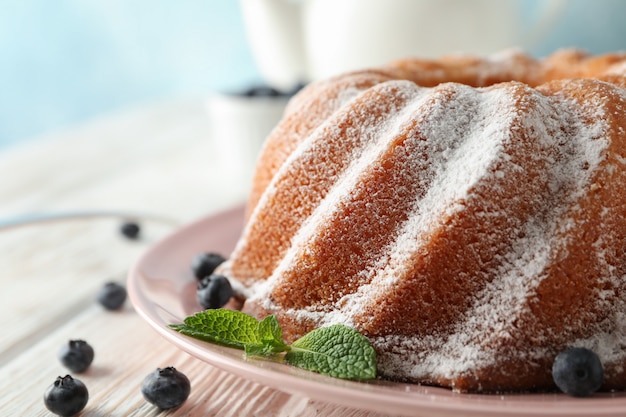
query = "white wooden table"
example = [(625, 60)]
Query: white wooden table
[(158, 160)]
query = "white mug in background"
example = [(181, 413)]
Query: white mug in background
[(302, 40), (239, 125)]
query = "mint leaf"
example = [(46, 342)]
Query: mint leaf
[(271, 335), (225, 327), (338, 351)]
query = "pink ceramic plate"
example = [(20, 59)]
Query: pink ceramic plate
[(162, 290)]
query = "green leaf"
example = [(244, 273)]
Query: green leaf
[(271, 335), (225, 327), (338, 351)]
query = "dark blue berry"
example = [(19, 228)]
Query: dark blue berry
[(296, 89), (76, 355), (112, 296), (262, 91), (166, 388), (578, 372), (266, 91), (204, 264), (214, 291), (130, 230), (66, 396)]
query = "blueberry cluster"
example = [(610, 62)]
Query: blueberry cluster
[(267, 91), (213, 290), (67, 396), (165, 387)]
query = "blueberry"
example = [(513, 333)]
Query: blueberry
[(296, 89), (66, 396), (214, 291), (166, 388), (76, 355), (261, 91), (204, 264), (130, 230), (112, 296), (578, 372)]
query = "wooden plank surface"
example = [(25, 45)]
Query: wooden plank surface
[(156, 160)]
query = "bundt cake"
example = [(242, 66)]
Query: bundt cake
[(467, 215)]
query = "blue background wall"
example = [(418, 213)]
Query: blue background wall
[(64, 61), (595, 25)]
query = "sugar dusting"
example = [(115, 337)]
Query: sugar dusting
[(381, 132), (496, 307), (458, 162), (341, 101), (460, 159)]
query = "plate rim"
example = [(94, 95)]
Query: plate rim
[(319, 388)]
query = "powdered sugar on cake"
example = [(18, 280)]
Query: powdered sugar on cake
[(461, 153)]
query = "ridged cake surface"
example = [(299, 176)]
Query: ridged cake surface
[(467, 215)]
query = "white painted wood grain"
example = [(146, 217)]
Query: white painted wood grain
[(160, 160)]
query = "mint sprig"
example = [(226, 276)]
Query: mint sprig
[(224, 327), (270, 337), (338, 351)]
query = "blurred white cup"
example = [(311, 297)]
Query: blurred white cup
[(303, 40), (239, 125)]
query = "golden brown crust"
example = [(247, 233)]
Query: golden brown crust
[(316, 102), (304, 114), (460, 255)]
